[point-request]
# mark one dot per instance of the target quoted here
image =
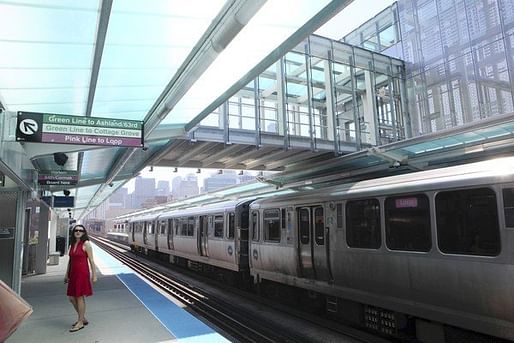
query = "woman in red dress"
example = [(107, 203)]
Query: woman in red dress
[(77, 276)]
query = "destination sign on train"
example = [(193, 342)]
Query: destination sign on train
[(66, 129)]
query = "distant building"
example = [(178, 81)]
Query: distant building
[(217, 181), (144, 189), (163, 188), (245, 178), (183, 187), (119, 198)]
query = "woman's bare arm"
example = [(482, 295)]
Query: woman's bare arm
[(89, 251)]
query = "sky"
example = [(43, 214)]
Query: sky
[(350, 18)]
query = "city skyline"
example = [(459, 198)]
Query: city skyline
[(168, 174)]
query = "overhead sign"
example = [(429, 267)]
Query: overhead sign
[(58, 177), (66, 202), (65, 129), (47, 200)]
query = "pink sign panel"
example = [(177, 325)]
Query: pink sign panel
[(406, 202)]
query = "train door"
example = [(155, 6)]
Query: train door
[(156, 231), (311, 243), (145, 233), (202, 236), (133, 228), (171, 227)]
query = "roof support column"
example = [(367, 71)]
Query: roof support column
[(354, 105), (224, 120), (310, 105), (370, 106), (394, 113), (283, 128), (330, 102), (404, 112), (257, 107)]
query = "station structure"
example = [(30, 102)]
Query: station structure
[(93, 92)]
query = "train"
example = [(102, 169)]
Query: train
[(427, 255)]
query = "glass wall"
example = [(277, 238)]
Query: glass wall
[(322, 91), (458, 55)]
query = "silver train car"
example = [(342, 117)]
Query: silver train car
[(416, 255), (412, 250), (214, 235), (120, 237)]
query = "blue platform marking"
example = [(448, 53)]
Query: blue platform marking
[(184, 326)]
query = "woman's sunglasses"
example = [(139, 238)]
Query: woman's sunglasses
[(78, 230)]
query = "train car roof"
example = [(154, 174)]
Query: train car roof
[(496, 170), (146, 217), (208, 208)]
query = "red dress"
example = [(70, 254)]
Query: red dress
[(79, 283)]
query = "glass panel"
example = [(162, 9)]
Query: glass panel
[(319, 225), (407, 220), (467, 222), (139, 59), (240, 56), (304, 225), (218, 226), (363, 224), (47, 69), (297, 95), (339, 216), (271, 222), (508, 206), (255, 226), (231, 224)]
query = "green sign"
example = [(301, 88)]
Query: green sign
[(65, 129)]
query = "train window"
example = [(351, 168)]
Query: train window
[(255, 226), (177, 226), (467, 222), (304, 225), (339, 216), (244, 220), (271, 220), (191, 226), (163, 228), (183, 226), (319, 225), (363, 224), (150, 229), (218, 226), (231, 224), (407, 220), (283, 216), (508, 206)]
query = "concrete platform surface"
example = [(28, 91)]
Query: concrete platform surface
[(123, 308)]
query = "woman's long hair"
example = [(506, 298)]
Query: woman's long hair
[(84, 236)]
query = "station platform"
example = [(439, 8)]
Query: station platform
[(123, 308)]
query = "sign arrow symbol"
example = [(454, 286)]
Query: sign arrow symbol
[(28, 126)]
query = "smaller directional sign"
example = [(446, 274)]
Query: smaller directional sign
[(58, 177), (66, 129), (66, 202)]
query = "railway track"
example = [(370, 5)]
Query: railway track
[(239, 326)]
